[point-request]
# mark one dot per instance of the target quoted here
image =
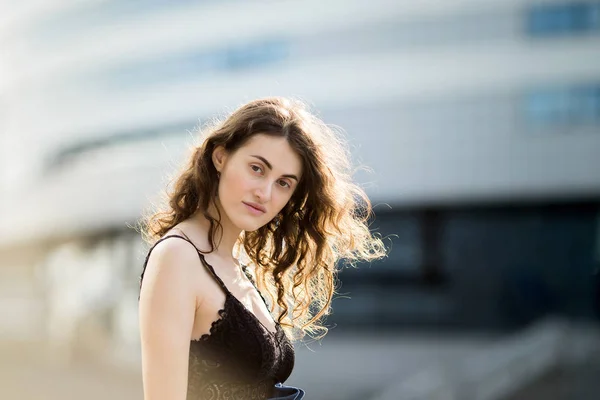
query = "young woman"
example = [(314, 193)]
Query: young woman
[(265, 206)]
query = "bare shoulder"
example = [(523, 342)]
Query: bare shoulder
[(174, 251), (171, 266), (175, 265)]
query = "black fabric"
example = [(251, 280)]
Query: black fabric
[(239, 358)]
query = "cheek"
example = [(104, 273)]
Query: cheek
[(235, 185)]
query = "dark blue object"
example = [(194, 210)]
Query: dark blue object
[(283, 392)]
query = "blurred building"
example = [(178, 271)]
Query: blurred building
[(480, 119)]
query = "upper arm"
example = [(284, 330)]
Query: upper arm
[(167, 308)]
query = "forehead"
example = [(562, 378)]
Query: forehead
[(276, 150)]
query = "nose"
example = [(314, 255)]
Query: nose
[(263, 192)]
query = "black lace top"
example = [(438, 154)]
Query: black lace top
[(239, 358)]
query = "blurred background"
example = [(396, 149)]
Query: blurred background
[(479, 118)]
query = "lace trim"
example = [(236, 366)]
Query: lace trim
[(215, 325)]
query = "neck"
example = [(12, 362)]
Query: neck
[(225, 237)]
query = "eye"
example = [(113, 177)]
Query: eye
[(284, 184), (256, 168)]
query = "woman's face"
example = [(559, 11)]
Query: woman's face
[(257, 180)]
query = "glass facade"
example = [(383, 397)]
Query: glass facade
[(502, 267)]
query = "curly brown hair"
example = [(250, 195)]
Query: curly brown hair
[(296, 256)]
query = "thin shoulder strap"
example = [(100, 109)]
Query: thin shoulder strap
[(200, 255), (251, 279), (204, 262)]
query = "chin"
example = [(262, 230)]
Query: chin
[(252, 227), (248, 225)]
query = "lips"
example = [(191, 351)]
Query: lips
[(255, 206)]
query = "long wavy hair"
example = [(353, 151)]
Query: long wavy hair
[(296, 256)]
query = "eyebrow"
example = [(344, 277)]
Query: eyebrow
[(268, 164)]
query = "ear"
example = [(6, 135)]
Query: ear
[(219, 157)]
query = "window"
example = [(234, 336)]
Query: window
[(582, 17), (183, 66), (575, 105)]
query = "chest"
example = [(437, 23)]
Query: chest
[(238, 347)]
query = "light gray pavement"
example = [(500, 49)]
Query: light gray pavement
[(579, 381), (357, 367), (26, 379)]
